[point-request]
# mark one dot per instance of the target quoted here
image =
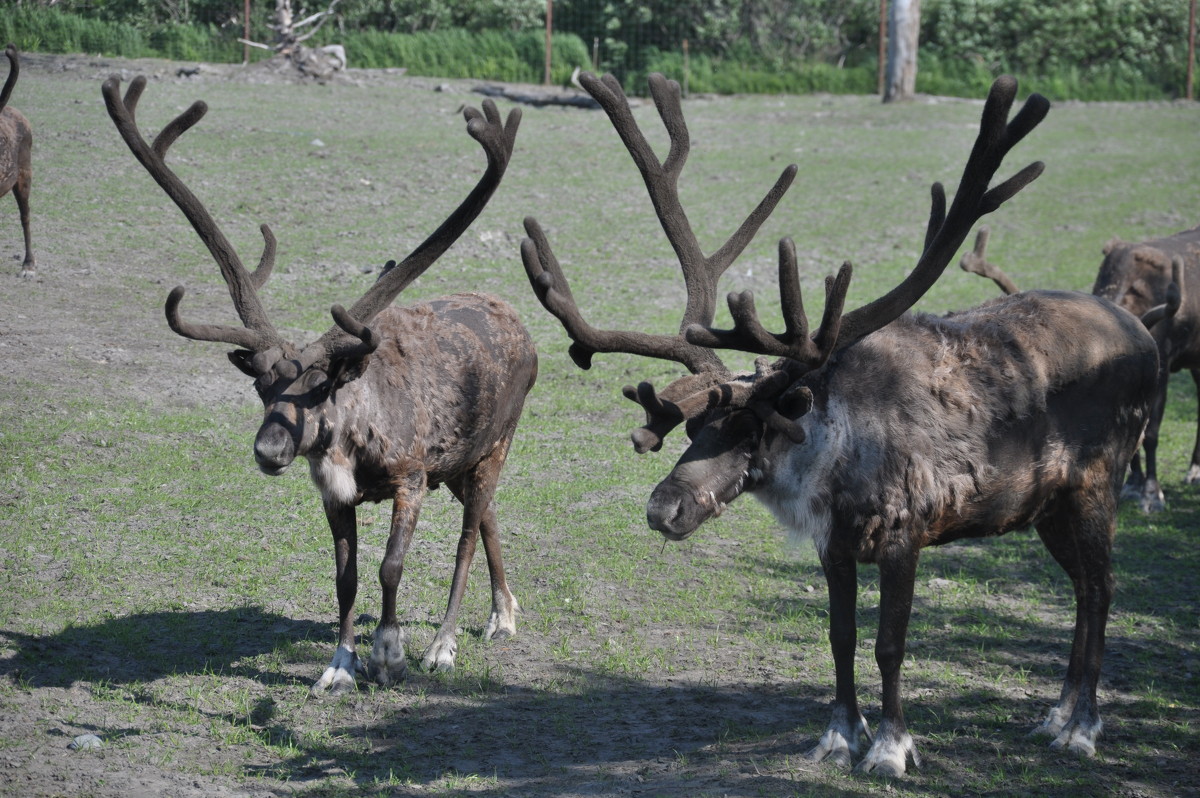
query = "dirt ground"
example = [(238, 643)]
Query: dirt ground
[(627, 737)]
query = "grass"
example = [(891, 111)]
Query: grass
[(161, 593)]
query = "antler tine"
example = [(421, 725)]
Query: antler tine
[(976, 262), (554, 292), (748, 334), (14, 70), (258, 335), (497, 140), (972, 200), (700, 272), (944, 234)]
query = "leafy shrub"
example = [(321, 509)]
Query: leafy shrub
[(488, 55)]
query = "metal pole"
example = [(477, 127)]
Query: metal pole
[(549, 23), (246, 34)]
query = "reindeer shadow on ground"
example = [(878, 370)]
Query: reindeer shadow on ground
[(147, 646)]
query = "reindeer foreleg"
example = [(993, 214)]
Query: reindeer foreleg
[(388, 664), (338, 678), (840, 742), (893, 745)]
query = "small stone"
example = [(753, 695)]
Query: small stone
[(85, 741)]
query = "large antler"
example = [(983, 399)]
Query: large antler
[(497, 140), (257, 335), (700, 272), (351, 334), (772, 392), (944, 234), (14, 69)]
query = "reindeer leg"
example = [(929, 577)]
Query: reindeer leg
[(21, 193), (502, 622), (1152, 499), (1193, 474), (893, 746), (1079, 537), (1135, 484), (840, 741), (388, 664), (338, 678), (475, 490)]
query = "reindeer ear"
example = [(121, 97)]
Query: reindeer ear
[(347, 369), (1112, 244), (242, 358), (796, 401)]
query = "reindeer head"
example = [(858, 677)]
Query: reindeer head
[(297, 384), (739, 424)]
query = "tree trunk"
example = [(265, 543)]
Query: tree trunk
[(905, 25)]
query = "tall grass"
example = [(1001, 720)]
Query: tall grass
[(40, 29), (494, 55)]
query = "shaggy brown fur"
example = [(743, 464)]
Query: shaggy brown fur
[(1137, 276), (1022, 412), (387, 404), (16, 156)]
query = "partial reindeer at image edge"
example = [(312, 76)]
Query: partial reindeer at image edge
[(881, 433), (16, 156), (389, 403), (1149, 279)]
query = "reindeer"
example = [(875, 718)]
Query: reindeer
[(1140, 277), (16, 156), (882, 433), (389, 403)]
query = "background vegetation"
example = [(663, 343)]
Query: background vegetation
[(1096, 49)]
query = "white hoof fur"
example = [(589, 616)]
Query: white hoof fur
[(388, 664), (338, 678), (1078, 738), (889, 756), (502, 623), (840, 742), (440, 654)]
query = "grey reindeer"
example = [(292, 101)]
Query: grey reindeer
[(389, 403), (881, 433)]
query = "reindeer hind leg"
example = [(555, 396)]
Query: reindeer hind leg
[(1079, 536), (1193, 474), (475, 490)]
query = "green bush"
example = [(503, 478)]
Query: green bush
[(47, 30), (752, 76), (487, 55)]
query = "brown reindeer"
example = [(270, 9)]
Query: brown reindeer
[(387, 404), (16, 156), (882, 433), (1139, 277)]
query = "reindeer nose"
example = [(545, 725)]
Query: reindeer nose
[(274, 449), (664, 513)]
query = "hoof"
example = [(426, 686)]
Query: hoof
[(388, 664)]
